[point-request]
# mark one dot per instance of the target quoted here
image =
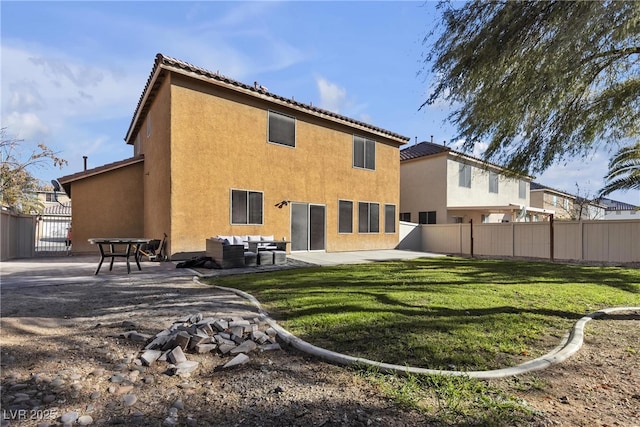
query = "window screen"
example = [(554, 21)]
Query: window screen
[(465, 175), (389, 218), (246, 207), (368, 217), (364, 153), (282, 129), (493, 182), (345, 216), (522, 189)]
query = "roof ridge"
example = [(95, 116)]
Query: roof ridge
[(168, 61)]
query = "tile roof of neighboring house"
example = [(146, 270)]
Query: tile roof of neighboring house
[(579, 199), (614, 205), (422, 149), (66, 180), (163, 62), (425, 148), (537, 186), (58, 209)]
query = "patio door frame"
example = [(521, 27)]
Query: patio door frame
[(311, 231)]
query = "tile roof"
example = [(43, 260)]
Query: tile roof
[(614, 205), (538, 186), (66, 180), (425, 149), (421, 150), (163, 62), (58, 209)]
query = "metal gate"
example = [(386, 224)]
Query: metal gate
[(53, 235)]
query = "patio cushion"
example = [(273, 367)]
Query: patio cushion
[(239, 240)]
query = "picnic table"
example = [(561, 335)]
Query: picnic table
[(132, 248)]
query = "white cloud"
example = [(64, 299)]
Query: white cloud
[(478, 149), (239, 42), (26, 126), (332, 96)]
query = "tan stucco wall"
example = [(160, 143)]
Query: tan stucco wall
[(537, 199), (220, 143), (544, 200), (424, 187), (107, 205), (156, 181)]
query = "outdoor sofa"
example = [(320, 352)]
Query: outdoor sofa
[(245, 250)]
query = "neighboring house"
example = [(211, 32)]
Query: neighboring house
[(566, 206), (53, 225), (440, 186), (213, 156), (54, 199), (619, 210)]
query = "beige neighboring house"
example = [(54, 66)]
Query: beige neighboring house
[(566, 206), (54, 201), (214, 156), (619, 210), (441, 186)]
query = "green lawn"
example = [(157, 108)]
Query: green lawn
[(467, 314), (440, 313)]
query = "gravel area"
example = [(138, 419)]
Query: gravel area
[(64, 363)]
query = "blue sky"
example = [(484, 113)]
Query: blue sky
[(72, 72)]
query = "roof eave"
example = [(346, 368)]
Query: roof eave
[(229, 84)]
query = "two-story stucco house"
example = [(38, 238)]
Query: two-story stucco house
[(440, 185), (213, 156), (566, 206)]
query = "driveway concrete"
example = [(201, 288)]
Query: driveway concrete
[(80, 269), (358, 257)]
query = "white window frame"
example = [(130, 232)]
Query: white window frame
[(522, 189), (295, 130), (464, 175), (248, 207), (367, 159), (369, 222), (340, 201), (494, 180), (392, 217)]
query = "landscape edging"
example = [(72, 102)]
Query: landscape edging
[(568, 346)]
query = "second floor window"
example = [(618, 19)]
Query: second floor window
[(465, 176), (522, 189), (493, 182), (282, 129), (364, 153)]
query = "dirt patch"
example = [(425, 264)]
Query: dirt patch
[(61, 358)]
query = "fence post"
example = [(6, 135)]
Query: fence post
[(471, 236), (551, 237)]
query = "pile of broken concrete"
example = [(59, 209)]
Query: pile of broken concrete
[(234, 336)]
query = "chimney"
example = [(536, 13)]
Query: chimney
[(85, 162), (432, 139)]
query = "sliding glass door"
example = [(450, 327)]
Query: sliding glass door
[(307, 227)]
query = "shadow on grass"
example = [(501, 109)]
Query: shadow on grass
[(435, 312), (445, 272)]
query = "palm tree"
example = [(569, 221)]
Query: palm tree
[(624, 170)]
